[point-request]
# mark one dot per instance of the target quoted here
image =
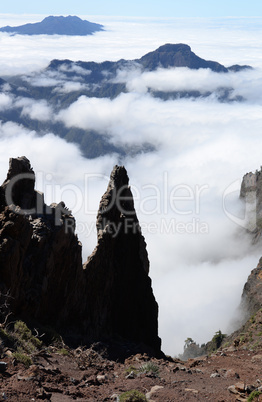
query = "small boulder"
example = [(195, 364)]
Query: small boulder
[(214, 375), (231, 374), (240, 387), (101, 378), (194, 391), (232, 389), (256, 359), (153, 391), (131, 376)]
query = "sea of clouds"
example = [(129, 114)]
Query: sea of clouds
[(187, 190)]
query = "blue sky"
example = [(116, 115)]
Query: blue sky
[(165, 8)]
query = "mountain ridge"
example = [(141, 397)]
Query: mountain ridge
[(56, 25), (102, 80), (165, 56)]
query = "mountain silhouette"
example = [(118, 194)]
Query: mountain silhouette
[(51, 25)]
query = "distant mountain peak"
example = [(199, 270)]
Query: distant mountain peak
[(173, 47), (177, 55), (56, 25)]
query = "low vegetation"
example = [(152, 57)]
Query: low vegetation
[(23, 358), (254, 396), (149, 368), (24, 345), (132, 396)]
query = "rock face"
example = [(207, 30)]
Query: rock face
[(41, 266), (117, 271), (252, 292), (251, 193), (40, 256)]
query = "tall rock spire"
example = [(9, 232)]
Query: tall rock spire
[(120, 293)]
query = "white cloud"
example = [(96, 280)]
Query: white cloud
[(46, 78), (231, 41), (203, 145), (5, 101), (184, 79), (73, 68), (58, 78), (134, 118), (36, 110), (71, 86)]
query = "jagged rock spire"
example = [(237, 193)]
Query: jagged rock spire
[(18, 187), (121, 297), (40, 259)]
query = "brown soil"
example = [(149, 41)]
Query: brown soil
[(84, 375)]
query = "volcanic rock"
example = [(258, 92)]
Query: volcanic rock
[(41, 267), (252, 292), (40, 256), (117, 272), (251, 193)]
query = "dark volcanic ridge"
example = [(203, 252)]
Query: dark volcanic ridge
[(181, 55), (56, 25), (166, 56)]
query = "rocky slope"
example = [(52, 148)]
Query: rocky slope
[(41, 268), (88, 375)]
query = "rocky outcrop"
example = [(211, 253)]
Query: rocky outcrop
[(252, 292), (41, 267), (251, 193), (40, 256), (117, 272)]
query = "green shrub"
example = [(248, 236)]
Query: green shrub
[(132, 396), (63, 352), (254, 396), (226, 344), (22, 358), (130, 369), (25, 338), (216, 341), (253, 318), (149, 368), (242, 339)]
